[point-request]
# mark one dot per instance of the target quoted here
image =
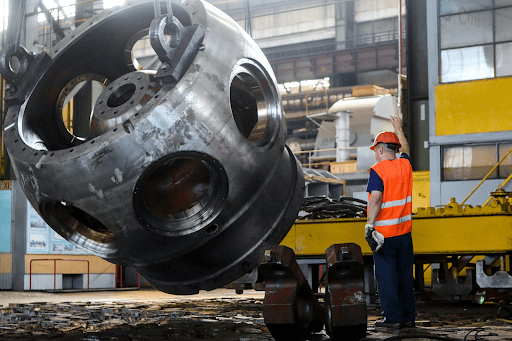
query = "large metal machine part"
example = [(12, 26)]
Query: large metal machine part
[(183, 171)]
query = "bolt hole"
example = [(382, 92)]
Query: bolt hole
[(115, 129), (71, 150), (121, 95), (92, 142), (212, 229)]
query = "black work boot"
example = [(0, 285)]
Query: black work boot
[(409, 324), (385, 324)]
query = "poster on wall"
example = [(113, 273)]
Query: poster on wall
[(42, 239), (5, 219)]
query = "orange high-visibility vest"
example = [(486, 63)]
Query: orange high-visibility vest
[(395, 216)]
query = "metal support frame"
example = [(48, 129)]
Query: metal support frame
[(501, 279), (291, 309), (345, 304), (453, 287)]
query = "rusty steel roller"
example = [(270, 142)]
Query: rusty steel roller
[(180, 170)]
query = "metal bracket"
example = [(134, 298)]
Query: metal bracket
[(178, 51), (8, 56), (453, 287), (501, 279)]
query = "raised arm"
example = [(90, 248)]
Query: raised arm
[(397, 124)]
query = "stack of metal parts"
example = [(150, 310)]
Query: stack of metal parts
[(322, 207)]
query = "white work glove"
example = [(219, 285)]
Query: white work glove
[(374, 238)]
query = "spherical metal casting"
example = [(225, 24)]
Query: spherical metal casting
[(182, 171)]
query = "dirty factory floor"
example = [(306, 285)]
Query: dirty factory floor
[(145, 314)]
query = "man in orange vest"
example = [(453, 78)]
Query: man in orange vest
[(389, 225)]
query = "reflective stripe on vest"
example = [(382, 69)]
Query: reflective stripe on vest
[(395, 203), (393, 221)]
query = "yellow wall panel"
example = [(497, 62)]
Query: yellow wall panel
[(420, 190), (96, 264), (5, 263), (479, 106)]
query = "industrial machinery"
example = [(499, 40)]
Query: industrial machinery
[(183, 171), (291, 308)]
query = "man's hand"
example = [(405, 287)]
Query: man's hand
[(374, 238), (397, 123)]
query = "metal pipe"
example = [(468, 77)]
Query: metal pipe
[(399, 54), (488, 174)]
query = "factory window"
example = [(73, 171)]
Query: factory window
[(505, 168), (475, 39), (474, 162), (462, 6)]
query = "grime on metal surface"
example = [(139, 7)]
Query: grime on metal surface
[(173, 171)]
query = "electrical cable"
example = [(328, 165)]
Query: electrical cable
[(478, 330)]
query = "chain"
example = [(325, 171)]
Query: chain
[(158, 10), (16, 27)]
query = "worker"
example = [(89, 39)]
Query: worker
[(389, 226)]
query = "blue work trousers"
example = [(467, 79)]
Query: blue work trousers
[(394, 274)]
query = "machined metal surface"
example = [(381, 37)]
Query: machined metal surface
[(183, 171), (500, 279)]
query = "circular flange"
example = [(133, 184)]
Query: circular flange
[(121, 95), (181, 193)]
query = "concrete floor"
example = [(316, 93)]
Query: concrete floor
[(218, 315), (121, 295)]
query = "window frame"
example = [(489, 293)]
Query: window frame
[(493, 43), (496, 145)]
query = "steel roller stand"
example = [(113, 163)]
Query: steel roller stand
[(291, 308), (344, 296)]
